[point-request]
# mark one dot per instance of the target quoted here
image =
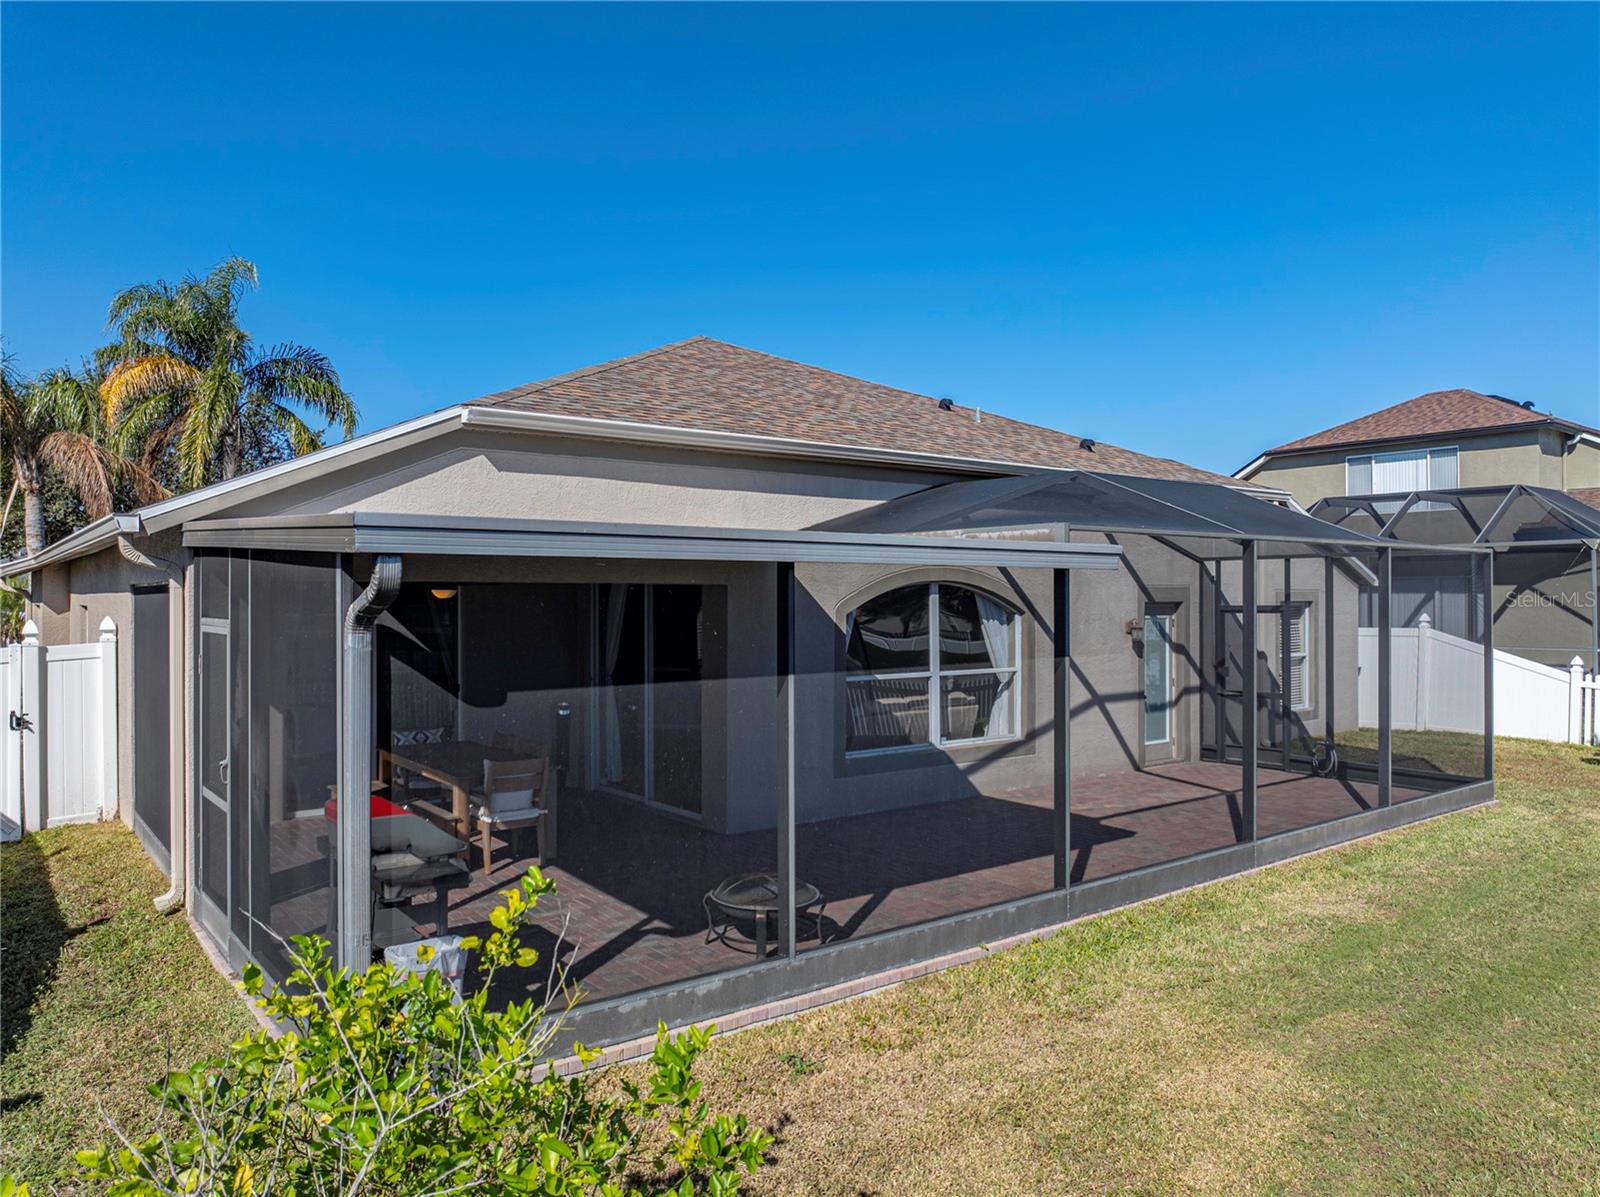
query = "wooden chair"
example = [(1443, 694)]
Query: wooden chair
[(516, 795)]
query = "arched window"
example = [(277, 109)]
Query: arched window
[(907, 689)]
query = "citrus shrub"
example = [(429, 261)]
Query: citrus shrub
[(387, 1083)]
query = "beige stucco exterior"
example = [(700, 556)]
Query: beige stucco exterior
[(1536, 457), (478, 473)]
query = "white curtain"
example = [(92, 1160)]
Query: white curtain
[(616, 608), (995, 619)]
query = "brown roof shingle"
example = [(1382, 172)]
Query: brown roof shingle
[(1587, 494), (1434, 414), (707, 384)]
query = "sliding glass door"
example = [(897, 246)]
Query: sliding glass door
[(650, 654)]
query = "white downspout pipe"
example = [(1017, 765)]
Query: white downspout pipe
[(177, 725)]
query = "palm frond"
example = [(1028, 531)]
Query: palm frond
[(301, 436), (72, 400), (141, 378), (82, 462), (301, 375), (232, 277)]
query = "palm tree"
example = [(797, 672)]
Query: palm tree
[(187, 384), (55, 424)]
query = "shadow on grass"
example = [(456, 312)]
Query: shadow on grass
[(33, 933)]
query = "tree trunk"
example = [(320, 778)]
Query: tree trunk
[(232, 455), (32, 519)]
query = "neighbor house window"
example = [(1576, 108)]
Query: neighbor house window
[(933, 664), (1403, 472)]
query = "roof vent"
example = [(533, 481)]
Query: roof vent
[(947, 404), (1086, 444)]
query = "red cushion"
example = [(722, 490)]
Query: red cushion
[(382, 808)]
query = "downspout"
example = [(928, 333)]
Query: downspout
[(354, 869), (177, 726)]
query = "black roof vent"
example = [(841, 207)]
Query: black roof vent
[(947, 404), (1086, 444)]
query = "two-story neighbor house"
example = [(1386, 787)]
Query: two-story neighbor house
[(1456, 467), (1438, 441)]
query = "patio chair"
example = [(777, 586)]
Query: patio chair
[(517, 795)]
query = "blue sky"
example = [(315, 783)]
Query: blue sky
[(1196, 231)]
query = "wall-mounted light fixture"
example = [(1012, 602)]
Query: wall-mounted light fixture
[(443, 592)]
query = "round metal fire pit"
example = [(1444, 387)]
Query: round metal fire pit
[(752, 898)]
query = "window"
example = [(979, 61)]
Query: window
[(1403, 472), (1297, 631), (906, 687)]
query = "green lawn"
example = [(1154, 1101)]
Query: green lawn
[(97, 989), (1418, 1013)]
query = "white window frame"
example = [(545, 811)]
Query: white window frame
[(933, 675), (1301, 659), (1434, 456)]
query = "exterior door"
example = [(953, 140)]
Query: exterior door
[(1159, 668), (215, 704), (650, 645), (1271, 729), (623, 653)]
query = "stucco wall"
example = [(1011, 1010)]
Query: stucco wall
[(506, 476), (1533, 458)]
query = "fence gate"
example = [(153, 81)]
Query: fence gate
[(60, 734)]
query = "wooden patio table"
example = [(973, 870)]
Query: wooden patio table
[(458, 765)]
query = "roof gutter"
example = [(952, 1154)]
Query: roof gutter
[(743, 442), (91, 538)]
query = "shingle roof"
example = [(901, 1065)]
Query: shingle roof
[(1587, 494), (707, 384), (1433, 414)]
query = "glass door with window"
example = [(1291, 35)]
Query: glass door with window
[(650, 647), (1159, 684), (214, 703)]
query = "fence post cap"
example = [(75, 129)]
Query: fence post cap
[(108, 628), (30, 633), (1577, 664), (1425, 622)]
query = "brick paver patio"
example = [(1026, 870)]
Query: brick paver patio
[(628, 912)]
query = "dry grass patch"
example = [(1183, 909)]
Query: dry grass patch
[(1411, 1014)]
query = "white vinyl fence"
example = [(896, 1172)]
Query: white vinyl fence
[(60, 734), (1437, 685)]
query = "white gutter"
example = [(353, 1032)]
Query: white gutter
[(90, 538), (1250, 469)]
